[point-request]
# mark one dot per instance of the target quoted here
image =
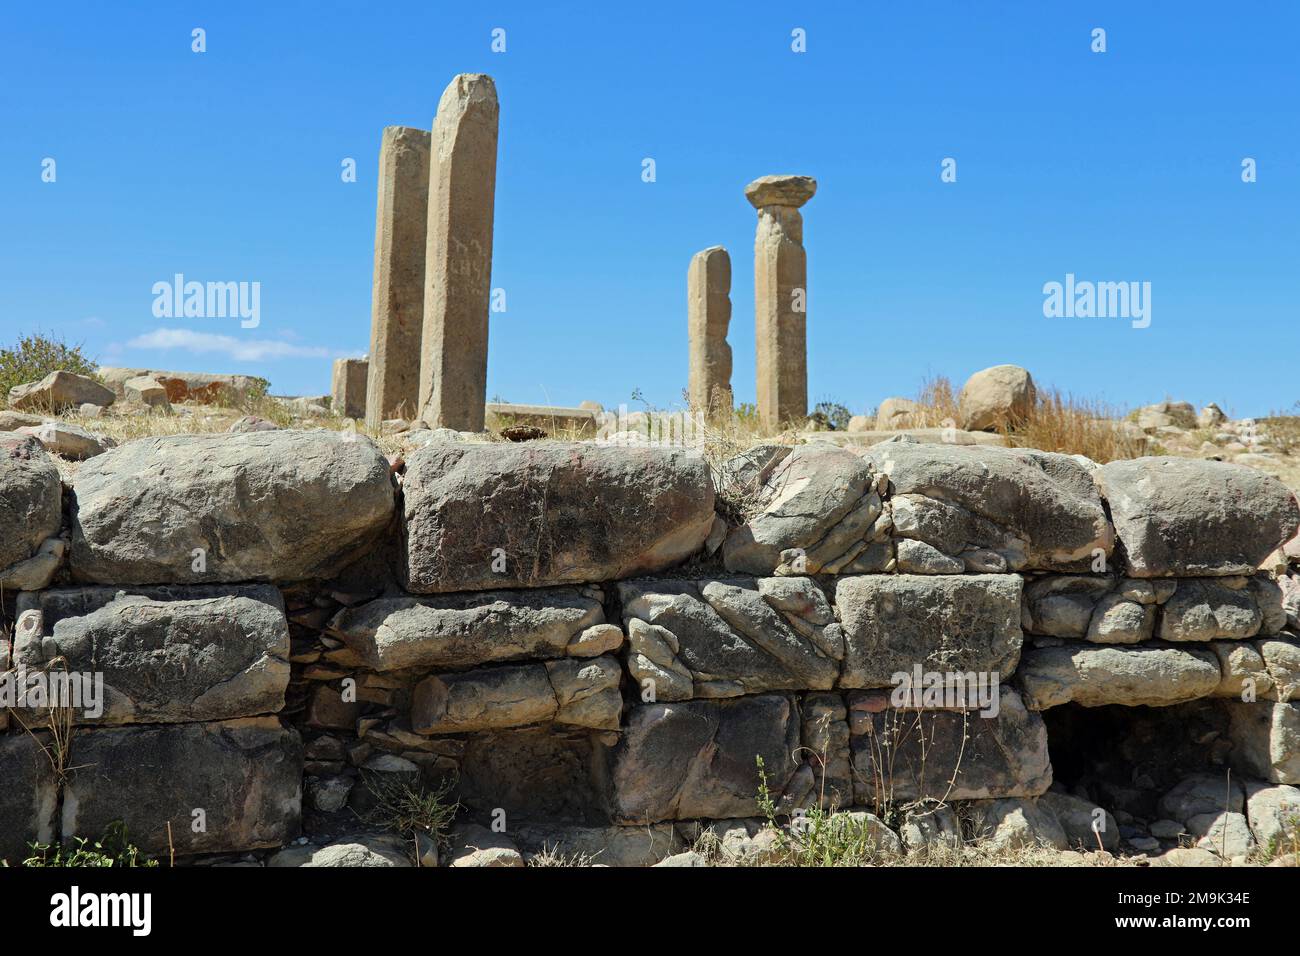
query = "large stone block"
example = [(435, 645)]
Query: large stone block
[(819, 511), (397, 299), (260, 506), (58, 392), (1265, 739), (547, 774), (484, 516), (581, 693), (902, 755), (1189, 517), (1093, 676), (171, 660), (226, 786), (480, 627), (31, 497), (950, 623), (728, 637), (995, 509), (29, 797), (695, 759)]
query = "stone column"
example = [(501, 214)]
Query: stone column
[(348, 389), (458, 262), (708, 313), (780, 298), (397, 303)]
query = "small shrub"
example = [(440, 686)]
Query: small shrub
[(831, 415), (404, 804), (36, 356), (113, 849)]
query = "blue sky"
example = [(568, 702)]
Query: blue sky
[(1115, 166)]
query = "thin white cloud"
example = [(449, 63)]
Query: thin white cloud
[(240, 349)]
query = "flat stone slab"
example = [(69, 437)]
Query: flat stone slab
[(697, 759), (995, 509), (1094, 676), (257, 506), (867, 437), (480, 627), (948, 623), (1190, 517), (224, 787), (556, 420), (946, 754), (490, 516), (196, 658), (730, 636), (29, 797)]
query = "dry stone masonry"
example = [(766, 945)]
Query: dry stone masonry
[(575, 641)]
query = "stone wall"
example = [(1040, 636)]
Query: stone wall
[(577, 641)]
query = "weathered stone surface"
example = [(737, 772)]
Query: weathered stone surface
[(582, 693), (29, 796), (954, 623), (1096, 676), (995, 398), (708, 315), (1265, 739), (481, 627), (474, 845), (1014, 823), (946, 755), (365, 851), (67, 441), (1242, 669), (1202, 793), (458, 257), (780, 190), (58, 392), (895, 413), (262, 506), (821, 512), (996, 509), (1206, 610), (550, 774), (146, 390), (1227, 834), (1281, 656), (11, 421), (164, 661), (694, 759), (1189, 517), (1273, 812), (602, 846), (37, 571), (780, 298), (1100, 610), (348, 387), (397, 300), (245, 775), (724, 638), (1084, 823), (506, 515), (1166, 414), (557, 421), (203, 387), (31, 498)]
